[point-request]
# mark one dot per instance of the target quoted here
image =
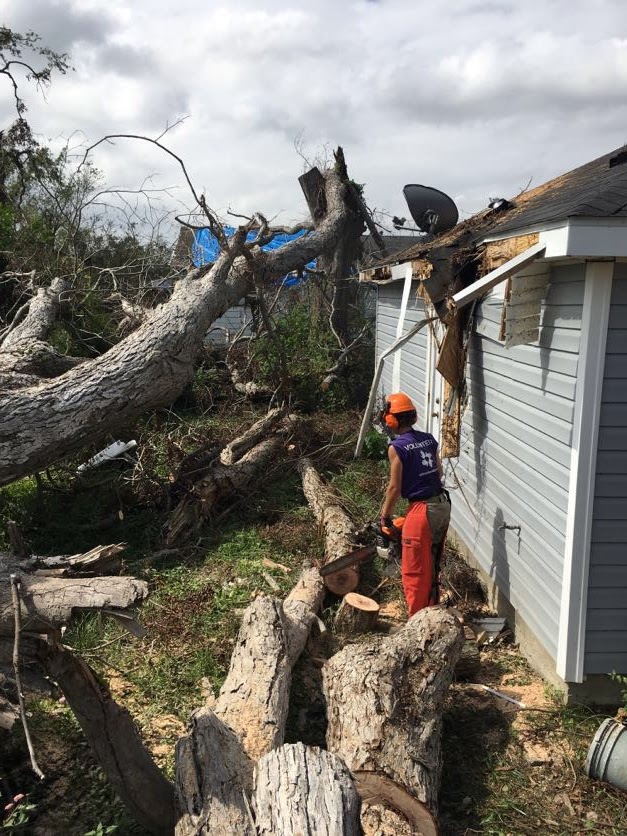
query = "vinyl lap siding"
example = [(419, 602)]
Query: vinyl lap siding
[(229, 324), (514, 463), (414, 353), (606, 621)]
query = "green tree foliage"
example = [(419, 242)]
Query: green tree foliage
[(22, 55)]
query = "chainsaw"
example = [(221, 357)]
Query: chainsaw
[(387, 546)]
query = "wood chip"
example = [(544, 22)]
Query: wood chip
[(272, 565), (271, 582)]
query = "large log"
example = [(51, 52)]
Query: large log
[(214, 762), (116, 742), (48, 603), (306, 791), (151, 367), (385, 701), (357, 614), (338, 528)]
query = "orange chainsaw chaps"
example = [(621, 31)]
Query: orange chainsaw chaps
[(417, 559)]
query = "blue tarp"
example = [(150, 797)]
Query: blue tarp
[(206, 249)]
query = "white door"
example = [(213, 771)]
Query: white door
[(435, 381)]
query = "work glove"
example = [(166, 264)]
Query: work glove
[(386, 523)]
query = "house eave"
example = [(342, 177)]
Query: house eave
[(579, 237)]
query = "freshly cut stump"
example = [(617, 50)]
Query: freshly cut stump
[(306, 791), (385, 699), (357, 614)]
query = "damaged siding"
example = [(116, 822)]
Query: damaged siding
[(606, 622), (414, 355), (514, 463)]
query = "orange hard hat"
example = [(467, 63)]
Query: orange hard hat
[(399, 402)]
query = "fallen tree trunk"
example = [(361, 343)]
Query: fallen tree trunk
[(304, 790), (235, 449), (115, 740), (48, 603), (220, 482), (150, 367), (385, 701), (214, 762), (24, 350), (338, 528)]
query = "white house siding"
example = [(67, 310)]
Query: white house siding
[(225, 328), (414, 354), (606, 622), (514, 463)]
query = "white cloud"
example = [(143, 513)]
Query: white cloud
[(473, 97)]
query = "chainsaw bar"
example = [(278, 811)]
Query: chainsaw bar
[(349, 559)]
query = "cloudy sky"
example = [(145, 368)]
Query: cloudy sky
[(476, 97)]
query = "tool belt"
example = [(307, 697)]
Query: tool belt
[(440, 496)]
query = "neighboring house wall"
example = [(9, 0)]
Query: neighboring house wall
[(224, 329), (515, 453), (413, 368), (606, 622)]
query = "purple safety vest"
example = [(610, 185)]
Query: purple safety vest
[(417, 452)]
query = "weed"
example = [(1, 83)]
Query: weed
[(621, 679)]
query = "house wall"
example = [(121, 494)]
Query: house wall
[(229, 324), (514, 463), (413, 368), (606, 621)]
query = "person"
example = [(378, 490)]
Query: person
[(416, 475)]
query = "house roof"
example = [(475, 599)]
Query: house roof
[(394, 244), (597, 189)]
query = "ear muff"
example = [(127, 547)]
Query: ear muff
[(389, 420)]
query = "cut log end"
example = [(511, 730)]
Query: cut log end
[(357, 614), (388, 809), (342, 582)]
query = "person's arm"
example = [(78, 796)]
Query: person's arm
[(393, 490), (439, 463)]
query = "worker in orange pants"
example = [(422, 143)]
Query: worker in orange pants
[(416, 475)]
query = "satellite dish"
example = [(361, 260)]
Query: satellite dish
[(432, 210)]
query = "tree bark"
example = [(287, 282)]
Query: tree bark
[(338, 528), (385, 701), (44, 423), (389, 809), (304, 790), (116, 742), (24, 350), (43, 309), (48, 603)]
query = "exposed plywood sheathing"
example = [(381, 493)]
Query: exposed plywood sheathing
[(451, 423), (498, 252)]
